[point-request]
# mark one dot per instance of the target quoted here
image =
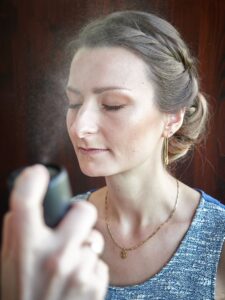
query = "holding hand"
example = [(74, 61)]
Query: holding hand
[(39, 263)]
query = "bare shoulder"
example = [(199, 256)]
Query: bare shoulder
[(189, 202), (97, 199), (189, 193), (220, 279)]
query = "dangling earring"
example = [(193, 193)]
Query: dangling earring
[(165, 152)]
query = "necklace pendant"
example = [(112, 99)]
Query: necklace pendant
[(123, 253)]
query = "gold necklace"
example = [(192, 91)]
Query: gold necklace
[(123, 250)]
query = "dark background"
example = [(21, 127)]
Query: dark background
[(33, 68)]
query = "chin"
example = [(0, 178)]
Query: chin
[(96, 171), (93, 172)]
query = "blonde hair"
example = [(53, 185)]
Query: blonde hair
[(192, 130)]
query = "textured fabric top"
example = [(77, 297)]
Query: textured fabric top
[(191, 272)]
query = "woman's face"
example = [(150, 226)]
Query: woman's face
[(112, 120)]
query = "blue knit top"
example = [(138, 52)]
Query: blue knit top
[(191, 272)]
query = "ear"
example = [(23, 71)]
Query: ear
[(173, 122)]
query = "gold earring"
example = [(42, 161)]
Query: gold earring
[(165, 151)]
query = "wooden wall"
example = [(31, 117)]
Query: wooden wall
[(33, 72)]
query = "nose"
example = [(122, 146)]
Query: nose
[(86, 121)]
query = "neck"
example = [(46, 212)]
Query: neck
[(141, 199)]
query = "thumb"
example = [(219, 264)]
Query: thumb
[(27, 197)]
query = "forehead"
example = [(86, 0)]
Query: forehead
[(103, 66)]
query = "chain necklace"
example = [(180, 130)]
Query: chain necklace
[(123, 250)]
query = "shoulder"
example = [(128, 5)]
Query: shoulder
[(209, 217), (95, 197), (220, 287), (216, 210), (81, 197), (212, 201), (213, 216), (210, 221), (214, 207)]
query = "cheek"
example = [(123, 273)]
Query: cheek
[(69, 121), (141, 132)]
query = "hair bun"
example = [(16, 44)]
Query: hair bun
[(193, 129)]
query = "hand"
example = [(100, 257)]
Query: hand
[(39, 263)]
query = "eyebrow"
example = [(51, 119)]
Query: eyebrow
[(98, 90)]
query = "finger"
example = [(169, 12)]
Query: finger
[(69, 269), (70, 235), (102, 271), (72, 232), (78, 222), (55, 288), (92, 285), (27, 196), (100, 280), (82, 259), (85, 268), (95, 241), (79, 280)]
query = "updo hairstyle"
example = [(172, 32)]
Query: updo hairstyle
[(169, 64)]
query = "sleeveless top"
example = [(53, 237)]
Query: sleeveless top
[(191, 272)]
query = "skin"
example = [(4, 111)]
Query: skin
[(117, 132), (101, 121), (38, 263)]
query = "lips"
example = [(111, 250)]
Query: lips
[(92, 150)]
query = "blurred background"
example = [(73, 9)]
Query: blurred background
[(34, 68)]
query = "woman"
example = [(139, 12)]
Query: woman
[(134, 109)]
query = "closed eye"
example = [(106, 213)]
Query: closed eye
[(113, 107), (74, 106)]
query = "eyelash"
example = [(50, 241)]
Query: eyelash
[(106, 107), (112, 107), (74, 106)]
